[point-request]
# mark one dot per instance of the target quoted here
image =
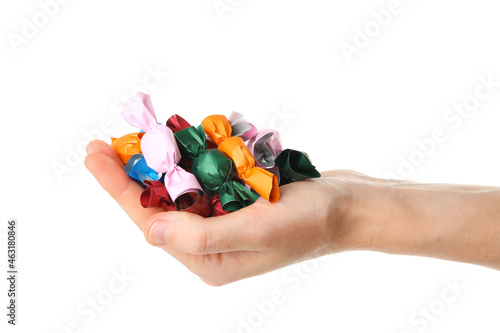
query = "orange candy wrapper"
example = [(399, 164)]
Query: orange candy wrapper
[(218, 129)]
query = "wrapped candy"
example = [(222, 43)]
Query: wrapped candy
[(217, 209), (295, 165), (265, 146), (127, 146), (156, 195), (177, 123), (160, 155), (206, 170), (240, 127), (288, 165), (159, 147), (213, 170), (138, 169), (218, 128)]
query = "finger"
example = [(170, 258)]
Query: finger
[(191, 233), (222, 268), (105, 165), (115, 181), (99, 146)]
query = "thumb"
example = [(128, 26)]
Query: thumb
[(194, 234)]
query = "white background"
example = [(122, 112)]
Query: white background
[(263, 59)]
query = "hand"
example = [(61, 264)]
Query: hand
[(308, 221), (342, 210)]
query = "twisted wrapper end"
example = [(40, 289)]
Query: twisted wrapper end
[(265, 147), (214, 171), (177, 123), (234, 196), (217, 127), (295, 165), (217, 209), (159, 146), (179, 182), (195, 203), (137, 168), (262, 181), (162, 154), (127, 146), (138, 111), (240, 127), (156, 195)]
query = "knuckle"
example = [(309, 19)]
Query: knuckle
[(211, 270), (201, 242)]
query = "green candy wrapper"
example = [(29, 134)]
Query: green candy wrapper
[(213, 170), (295, 165)]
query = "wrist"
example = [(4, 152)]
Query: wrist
[(382, 216), (398, 217), (363, 224), (452, 222), (355, 210)]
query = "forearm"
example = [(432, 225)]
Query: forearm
[(452, 222)]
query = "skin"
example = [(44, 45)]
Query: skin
[(341, 211)]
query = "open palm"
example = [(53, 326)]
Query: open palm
[(254, 240)]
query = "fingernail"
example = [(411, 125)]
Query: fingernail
[(158, 233)]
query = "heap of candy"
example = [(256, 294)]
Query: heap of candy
[(208, 170)]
